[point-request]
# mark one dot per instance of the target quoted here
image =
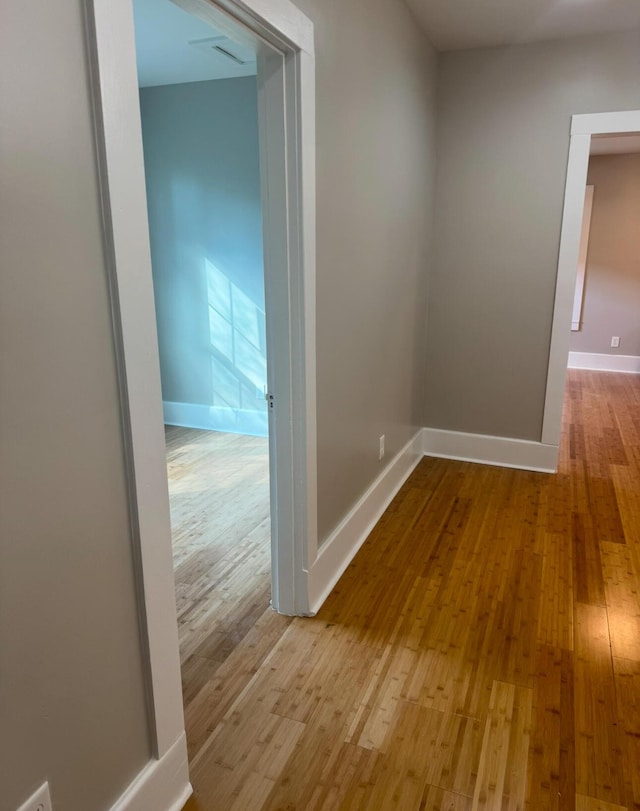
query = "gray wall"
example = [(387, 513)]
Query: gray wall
[(375, 162), (503, 136), (611, 301), (203, 189), (71, 685)]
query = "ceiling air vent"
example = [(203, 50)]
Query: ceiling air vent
[(229, 55), (226, 48)]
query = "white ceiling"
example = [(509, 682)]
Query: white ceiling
[(457, 24), (166, 53), (622, 144)]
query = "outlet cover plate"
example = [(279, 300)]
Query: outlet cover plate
[(40, 801)]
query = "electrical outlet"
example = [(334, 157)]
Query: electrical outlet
[(381, 450), (615, 341), (40, 801)]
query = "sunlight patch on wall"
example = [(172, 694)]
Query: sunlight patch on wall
[(237, 334)]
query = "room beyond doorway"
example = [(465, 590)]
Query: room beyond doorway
[(199, 114)]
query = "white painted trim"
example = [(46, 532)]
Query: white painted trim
[(39, 800), (289, 84), (305, 293), (339, 549), (582, 128), (216, 418), (111, 50), (279, 18), (602, 362), (490, 450), (565, 287), (614, 123), (123, 197), (576, 318), (163, 785)]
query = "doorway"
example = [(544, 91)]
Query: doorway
[(283, 40), (198, 105), (583, 128), (605, 331)]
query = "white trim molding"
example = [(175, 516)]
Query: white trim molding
[(116, 109), (490, 450), (163, 785), (582, 128), (565, 286), (614, 123), (278, 17), (337, 552), (596, 361), (576, 318)]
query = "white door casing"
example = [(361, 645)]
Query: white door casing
[(582, 128), (576, 317), (283, 37)]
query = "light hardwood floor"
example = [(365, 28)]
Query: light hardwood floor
[(219, 491), (482, 650)]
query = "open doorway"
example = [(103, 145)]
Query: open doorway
[(584, 129), (604, 347), (605, 328), (283, 40), (199, 115)]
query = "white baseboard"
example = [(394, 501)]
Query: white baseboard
[(163, 785), (490, 450), (217, 418), (337, 552), (604, 363)]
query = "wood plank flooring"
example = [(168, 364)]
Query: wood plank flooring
[(481, 652), (219, 491)]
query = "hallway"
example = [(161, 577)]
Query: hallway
[(482, 650)]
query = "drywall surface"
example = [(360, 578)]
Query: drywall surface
[(375, 87), (203, 189), (503, 137), (72, 698), (611, 301)]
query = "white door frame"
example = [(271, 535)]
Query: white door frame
[(582, 128), (286, 100)]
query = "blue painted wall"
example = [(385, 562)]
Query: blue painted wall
[(203, 189)]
